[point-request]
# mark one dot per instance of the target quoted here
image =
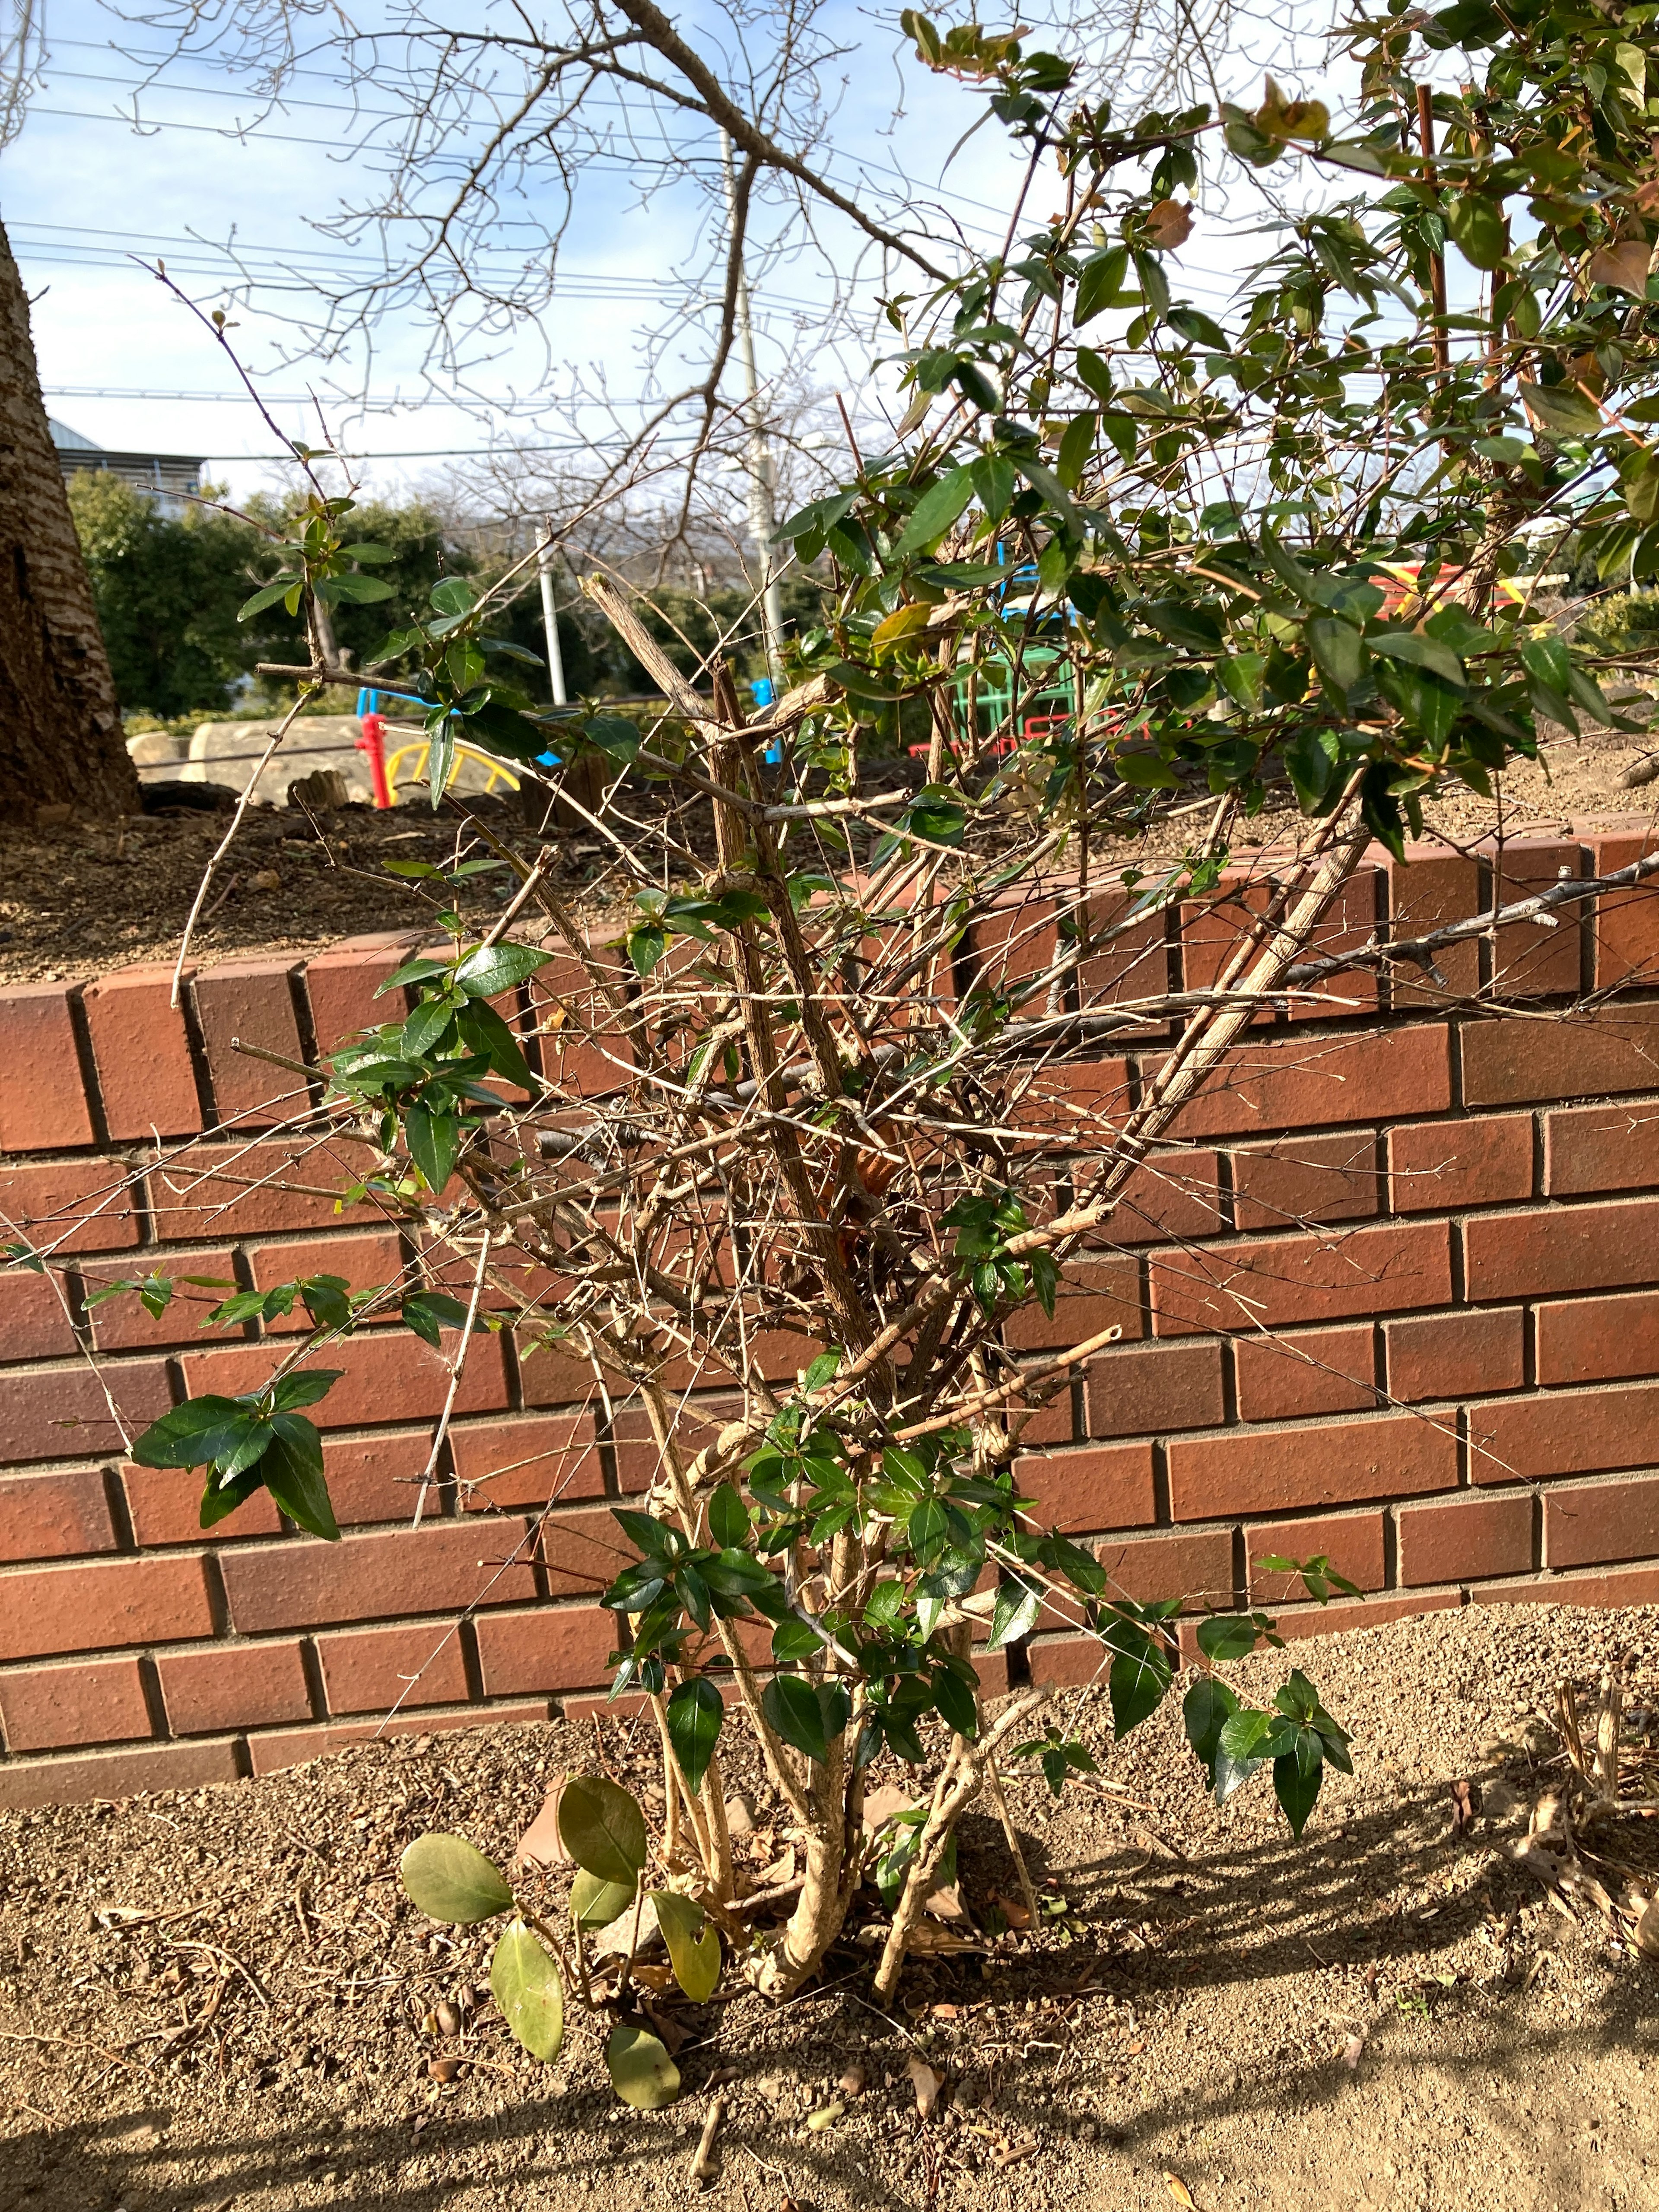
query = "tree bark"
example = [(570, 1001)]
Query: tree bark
[(60, 727)]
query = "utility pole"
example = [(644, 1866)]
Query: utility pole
[(550, 618), (762, 508)]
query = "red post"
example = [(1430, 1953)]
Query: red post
[(373, 742)]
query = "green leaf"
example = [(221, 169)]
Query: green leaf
[(292, 1469), (603, 1828), (1205, 1711), (425, 1026), (1420, 652), (1014, 1614), (523, 1980), (793, 1639), (694, 1948), (305, 1388), (694, 1713), (451, 1880), (497, 968), (194, 1434), (1099, 284), (266, 598), (1477, 227), (1198, 327), (1227, 1635), (433, 1140), (1561, 409), (728, 1522), (377, 554), (935, 511), (642, 2071), (956, 1701), (791, 1705), (1338, 649), (1136, 1686), (595, 1904), (1295, 1789), (454, 595), (484, 1031), (352, 590)]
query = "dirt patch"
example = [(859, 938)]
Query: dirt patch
[(1387, 2014)]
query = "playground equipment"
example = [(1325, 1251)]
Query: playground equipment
[(414, 759)]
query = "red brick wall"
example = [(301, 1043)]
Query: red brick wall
[(1450, 1222)]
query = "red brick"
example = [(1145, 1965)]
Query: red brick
[(233, 1685), (697, 1423), (33, 1323), (1589, 1148), (1315, 1370), (1132, 961), (145, 1072), (1096, 1293), (1351, 1542), (251, 1000), (526, 1462), (286, 1747), (62, 1413), (382, 1379), (123, 1323), (1197, 1565), (1007, 948), (1307, 1180), (1562, 1247), (1466, 1540), (1348, 923), (54, 1517), (555, 1647), (1588, 1524), (1270, 1283), (43, 1106), (1614, 1049), (1598, 1339), (553, 1376), (1070, 1662), (116, 1774), (80, 1206), (341, 984), (1108, 1487), (1075, 1104), (584, 1051), (1456, 1355), (91, 1701), (301, 1584), (1272, 1471), (1304, 1621), (1625, 926), (1441, 1167), (1528, 959), (370, 1670), (165, 1506), (582, 1552), (1212, 930), (255, 1189), (366, 1261), (1152, 1389), (1635, 1586), (1568, 1433), (1302, 1081), (377, 1478), (1427, 889), (47, 1610), (590, 1707), (1177, 1194)]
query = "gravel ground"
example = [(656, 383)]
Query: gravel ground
[(1389, 2014)]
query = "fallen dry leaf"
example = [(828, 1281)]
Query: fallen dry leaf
[(1178, 2189), (1647, 1931), (882, 1804), (1352, 2050), (1012, 1910), (925, 2081), (946, 2011), (1464, 1807), (444, 2069), (539, 1844), (945, 1904)]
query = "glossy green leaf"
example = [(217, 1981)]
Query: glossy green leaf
[(1226, 1636), (595, 1903), (603, 1828), (790, 1703), (728, 1521), (935, 511), (694, 1948), (696, 1710), (493, 968), (196, 1434), (451, 1880), (291, 1467), (1297, 1788), (642, 2071), (523, 1980)]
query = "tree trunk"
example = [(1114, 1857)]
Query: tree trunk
[(60, 728)]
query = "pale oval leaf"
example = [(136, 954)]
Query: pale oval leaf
[(603, 1829), (642, 2071), (595, 1903), (452, 1879), (694, 1948), (525, 1982)]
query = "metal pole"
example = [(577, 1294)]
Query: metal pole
[(762, 510), (550, 619)]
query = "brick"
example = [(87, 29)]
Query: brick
[(1456, 1355), (146, 1075), (583, 1052), (253, 1000), (1351, 1542), (370, 1670), (553, 1376), (1096, 1293), (1305, 1180), (1271, 1283), (1301, 1622), (1591, 1148), (1588, 1524), (1108, 1487), (1625, 926), (303, 1583), (377, 1478), (60, 1413), (625, 1708), (1529, 960), (54, 1517), (1467, 1539), (234, 1686), (382, 1379), (697, 1423), (1427, 889), (1617, 1049), (582, 1553), (1568, 1433), (91, 1701), (1177, 1194), (1197, 1565), (1154, 1388), (1212, 932), (1338, 1464), (45, 1611), (1133, 962), (1076, 1104), (164, 1505), (1069, 1663), (116, 1774), (526, 1462), (123, 1323), (1562, 1247), (341, 983), (1638, 1586), (79, 1206), (1598, 1339), (1302, 1081), (286, 1747), (555, 1647), (1315, 1370), (43, 1105), (366, 1261), (1441, 1167), (252, 1190), (33, 1323), (1007, 948)]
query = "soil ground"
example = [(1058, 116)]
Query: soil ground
[(218, 2002), (78, 900)]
